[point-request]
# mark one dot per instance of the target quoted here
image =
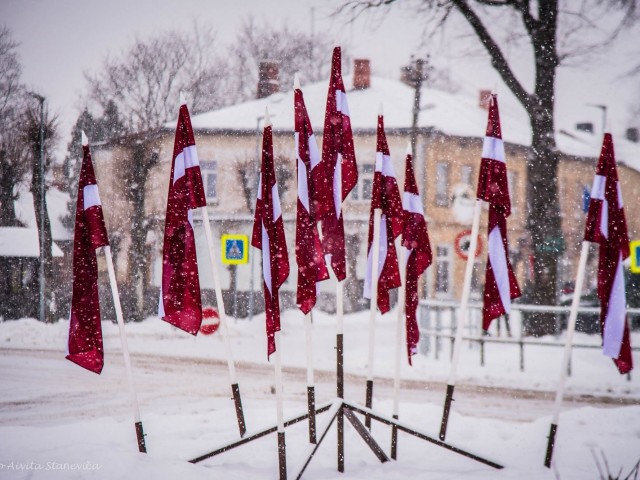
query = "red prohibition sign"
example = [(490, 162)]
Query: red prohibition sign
[(463, 242), (210, 321)]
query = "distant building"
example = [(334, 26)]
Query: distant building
[(450, 130)]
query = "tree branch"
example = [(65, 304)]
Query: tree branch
[(497, 58)]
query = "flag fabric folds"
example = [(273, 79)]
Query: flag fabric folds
[(311, 193), (501, 285), (385, 196), (415, 241), (268, 236), (606, 225), (180, 303), (339, 161), (85, 331)]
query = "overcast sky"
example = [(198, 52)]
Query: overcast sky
[(59, 40)]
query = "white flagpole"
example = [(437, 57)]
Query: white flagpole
[(282, 457), (223, 323), (462, 317), (402, 291), (125, 350), (571, 327), (373, 310), (311, 402)]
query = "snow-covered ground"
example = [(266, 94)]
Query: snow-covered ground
[(59, 421)]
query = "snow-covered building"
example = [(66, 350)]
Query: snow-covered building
[(450, 130)]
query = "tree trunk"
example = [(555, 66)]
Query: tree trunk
[(37, 199)]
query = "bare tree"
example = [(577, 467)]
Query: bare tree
[(549, 29), (294, 50), (144, 81), (13, 166)]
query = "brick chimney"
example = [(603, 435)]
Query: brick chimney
[(483, 99), (361, 74), (632, 134), (268, 82)]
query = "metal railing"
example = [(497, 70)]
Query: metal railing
[(475, 332)]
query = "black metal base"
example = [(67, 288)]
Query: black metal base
[(445, 412), (368, 402), (142, 447), (394, 440), (237, 401), (311, 411), (550, 444), (282, 457)]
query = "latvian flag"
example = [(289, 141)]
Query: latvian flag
[(339, 160), (415, 241), (268, 236), (500, 285), (385, 196), (180, 302), (606, 225), (85, 332), (311, 189)]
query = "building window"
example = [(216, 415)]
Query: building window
[(442, 184), (362, 190), (466, 175), (443, 270), (210, 179)]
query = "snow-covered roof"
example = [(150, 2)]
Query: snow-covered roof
[(22, 242), (56, 206), (450, 113)]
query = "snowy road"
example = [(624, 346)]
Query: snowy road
[(163, 381)]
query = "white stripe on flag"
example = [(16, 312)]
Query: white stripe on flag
[(187, 158), (382, 257), (314, 153), (597, 190), (161, 303), (266, 258), (493, 149), (498, 260), (620, 205), (604, 219), (275, 199), (303, 188), (615, 319), (90, 196), (341, 102), (412, 203), (337, 185)]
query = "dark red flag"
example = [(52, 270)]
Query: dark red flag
[(385, 196), (180, 302), (339, 161), (268, 236), (312, 190), (85, 331), (607, 226), (500, 286), (415, 240)]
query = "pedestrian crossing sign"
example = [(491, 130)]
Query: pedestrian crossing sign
[(235, 249), (635, 256)]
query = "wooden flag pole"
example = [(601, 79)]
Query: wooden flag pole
[(462, 317), (373, 310), (571, 327), (311, 401), (399, 337), (282, 449), (235, 389), (125, 350)]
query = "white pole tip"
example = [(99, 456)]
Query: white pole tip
[(296, 81), (380, 111), (183, 100), (409, 150), (85, 140), (267, 119)]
